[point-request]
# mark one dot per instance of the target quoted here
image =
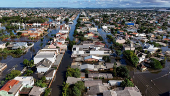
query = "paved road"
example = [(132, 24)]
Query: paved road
[(60, 76)]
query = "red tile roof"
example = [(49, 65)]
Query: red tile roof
[(166, 39), (134, 33), (9, 85)]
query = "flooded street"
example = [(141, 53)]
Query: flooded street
[(17, 62), (150, 83), (60, 76)]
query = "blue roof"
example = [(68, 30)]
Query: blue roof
[(130, 24)]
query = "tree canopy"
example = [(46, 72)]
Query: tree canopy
[(155, 64), (122, 71), (130, 55), (127, 83), (73, 72)]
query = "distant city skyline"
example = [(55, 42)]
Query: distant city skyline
[(85, 3)]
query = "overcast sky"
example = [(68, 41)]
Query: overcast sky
[(85, 3)]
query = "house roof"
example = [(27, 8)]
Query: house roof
[(44, 63), (128, 93), (49, 73), (94, 90), (88, 66), (109, 65), (90, 83), (36, 91), (110, 93), (99, 43), (15, 88), (94, 57), (72, 80), (9, 85), (132, 88), (134, 33)]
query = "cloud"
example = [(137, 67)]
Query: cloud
[(90, 3)]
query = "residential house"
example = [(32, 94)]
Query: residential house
[(17, 45), (91, 50), (64, 28), (115, 82), (143, 68), (96, 90), (36, 91), (109, 66), (3, 66), (50, 55), (2, 45), (90, 83), (129, 47), (82, 29), (132, 88), (120, 40), (51, 47), (92, 58), (100, 75), (26, 80), (50, 74), (72, 80), (141, 35), (76, 65), (121, 93), (43, 66), (130, 23), (99, 44), (89, 35), (109, 93), (128, 93), (141, 57), (93, 29), (84, 18), (12, 87), (87, 66), (150, 48)]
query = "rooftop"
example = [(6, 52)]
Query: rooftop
[(9, 85), (45, 54)]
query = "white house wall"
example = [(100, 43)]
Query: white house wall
[(42, 70)]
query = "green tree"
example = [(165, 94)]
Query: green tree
[(11, 34), (118, 52), (65, 89), (127, 83), (18, 51), (43, 78), (77, 73), (47, 91), (114, 71), (106, 58), (80, 85), (122, 71), (19, 33), (100, 38), (29, 72), (155, 64), (86, 71), (40, 83), (7, 43), (130, 55), (26, 62), (66, 20), (76, 91), (12, 74)]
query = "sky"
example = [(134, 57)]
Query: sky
[(85, 3)]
